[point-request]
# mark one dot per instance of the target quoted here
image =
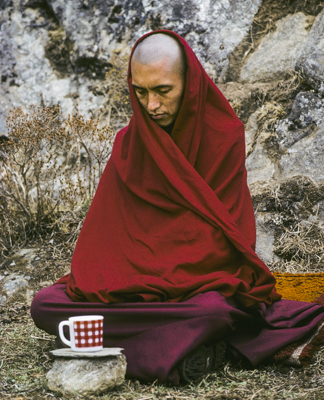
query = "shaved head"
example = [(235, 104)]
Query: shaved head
[(158, 77), (160, 46)]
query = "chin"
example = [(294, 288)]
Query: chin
[(163, 124)]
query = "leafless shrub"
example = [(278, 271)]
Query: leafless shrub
[(117, 107), (49, 171), (50, 168)]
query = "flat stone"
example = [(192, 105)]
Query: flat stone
[(311, 59), (86, 376), (278, 52), (105, 352)]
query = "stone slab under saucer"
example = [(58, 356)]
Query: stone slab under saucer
[(86, 373), (105, 352)]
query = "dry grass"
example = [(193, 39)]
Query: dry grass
[(302, 248), (275, 96), (25, 357), (299, 234), (25, 360)]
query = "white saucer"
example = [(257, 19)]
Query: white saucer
[(105, 352)]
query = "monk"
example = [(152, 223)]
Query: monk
[(166, 252)]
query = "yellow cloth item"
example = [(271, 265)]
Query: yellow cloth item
[(303, 287)]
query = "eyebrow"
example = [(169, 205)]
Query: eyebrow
[(156, 87)]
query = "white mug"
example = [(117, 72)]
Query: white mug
[(86, 332)]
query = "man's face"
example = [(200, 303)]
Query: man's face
[(159, 88)]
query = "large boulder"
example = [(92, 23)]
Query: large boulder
[(311, 60), (26, 71), (266, 232), (295, 146), (278, 51), (63, 48), (212, 28)]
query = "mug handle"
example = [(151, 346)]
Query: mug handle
[(61, 333)]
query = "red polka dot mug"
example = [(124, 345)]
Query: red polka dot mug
[(86, 332)]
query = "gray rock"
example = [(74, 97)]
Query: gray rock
[(69, 69), (311, 60), (3, 300), (86, 376), (307, 108), (278, 51), (10, 285), (266, 236), (15, 283), (26, 71), (307, 113), (260, 167), (295, 148), (320, 214), (251, 132), (7, 63), (212, 28), (305, 157)]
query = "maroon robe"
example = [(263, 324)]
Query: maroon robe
[(166, 252), (172, 215)]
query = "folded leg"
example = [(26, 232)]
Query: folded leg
[(155, 336)]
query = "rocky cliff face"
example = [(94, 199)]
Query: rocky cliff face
[(267, 57), (62, 48)]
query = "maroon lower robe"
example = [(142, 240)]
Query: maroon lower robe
[(156, 336)]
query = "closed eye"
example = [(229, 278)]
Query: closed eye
[(164, 90), (139, 91)]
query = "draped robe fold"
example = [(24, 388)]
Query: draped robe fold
[(172, 215)]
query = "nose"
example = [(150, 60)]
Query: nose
[(153, 102)]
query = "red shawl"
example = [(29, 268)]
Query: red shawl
[(172, 216)]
